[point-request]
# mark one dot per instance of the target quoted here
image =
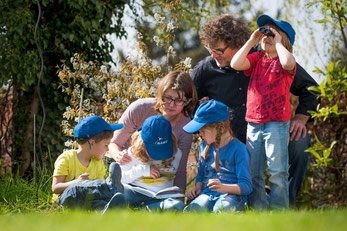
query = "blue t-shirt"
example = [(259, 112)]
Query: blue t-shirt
[(234, 160)]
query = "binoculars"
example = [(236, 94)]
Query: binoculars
[(266, 31)]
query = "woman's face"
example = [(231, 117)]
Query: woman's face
[(173, 103)]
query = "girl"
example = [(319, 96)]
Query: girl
[(268, 108), (224, 178), (154, 162)]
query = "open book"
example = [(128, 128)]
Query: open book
[(173, 191)]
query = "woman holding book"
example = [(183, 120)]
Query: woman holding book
[(155, 158)]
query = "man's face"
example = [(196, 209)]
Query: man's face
[(222, 58)]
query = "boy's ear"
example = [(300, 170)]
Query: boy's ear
[(91, 141)]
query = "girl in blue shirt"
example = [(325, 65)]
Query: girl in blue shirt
[(224, 179)]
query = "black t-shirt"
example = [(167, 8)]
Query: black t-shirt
[(230, 87)]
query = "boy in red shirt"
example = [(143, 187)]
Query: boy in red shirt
[(268, 108)]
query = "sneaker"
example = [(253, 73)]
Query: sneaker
[(115, 176)]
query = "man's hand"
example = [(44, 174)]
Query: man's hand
[(298, 126)]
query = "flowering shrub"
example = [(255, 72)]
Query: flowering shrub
[(108, 93)]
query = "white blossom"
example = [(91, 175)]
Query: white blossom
[(188, 62), (103, 69), (159, 18), (170, 27), (69, 143)]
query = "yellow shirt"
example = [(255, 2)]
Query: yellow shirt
[(67, 164)]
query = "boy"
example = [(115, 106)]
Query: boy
[(78, 174)]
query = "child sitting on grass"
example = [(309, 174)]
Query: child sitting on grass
[(224, 178), (78, 174), (154, 163)]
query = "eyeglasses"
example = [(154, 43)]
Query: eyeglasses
[(266, 31), (216, 51), (177, 102)]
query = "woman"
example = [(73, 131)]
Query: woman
[(176, 98)]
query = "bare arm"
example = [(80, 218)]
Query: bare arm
[(59, 184), (239, 61), (120, 156), (286, 58), (216, 185)]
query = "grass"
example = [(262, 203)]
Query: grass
[(332, 220), (20, 209)]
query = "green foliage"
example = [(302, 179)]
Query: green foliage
[(329, 148), (65, 27)]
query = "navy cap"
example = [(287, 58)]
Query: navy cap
[(156, 133), (211, 111), (93, 125), (285, 26)]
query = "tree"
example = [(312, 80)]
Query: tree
[(65, 27)]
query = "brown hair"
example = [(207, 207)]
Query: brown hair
[(225, 28), (139, 151), (221, 127), (285, 39), (178, 81), (98, 137)]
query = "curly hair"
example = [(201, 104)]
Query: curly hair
[(225, 28)]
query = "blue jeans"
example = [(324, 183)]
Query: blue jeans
[(138, 200), (90, 194), (268, 143), (298, 163), (216, 202)]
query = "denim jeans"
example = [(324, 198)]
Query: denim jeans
[(268, 143), (138, 200), (298, 163), (90, 194), (216, 202)]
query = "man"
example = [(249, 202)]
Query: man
[(213, 77)]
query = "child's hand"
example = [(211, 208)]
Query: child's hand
[(277, 38), (215, 185), (256, 36), (123, 157), (194, 193), (83, 176), (154, 172)]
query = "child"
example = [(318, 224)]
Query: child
[(268, 107), (154, 163), (224, 179), (78, 173)]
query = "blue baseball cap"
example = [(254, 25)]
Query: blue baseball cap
[(285, 26), (211, 111), (93, 125), (156, 133)]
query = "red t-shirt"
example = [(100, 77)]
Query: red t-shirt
[(268, 90)]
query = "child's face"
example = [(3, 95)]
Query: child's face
[(267, 43), (99, 149), (208, 134)]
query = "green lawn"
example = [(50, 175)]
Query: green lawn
[(331, 220)]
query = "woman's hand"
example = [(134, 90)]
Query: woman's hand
[(122, 157), (154, 172)]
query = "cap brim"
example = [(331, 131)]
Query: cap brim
[(264, 19), (193, 126), (116, 126)]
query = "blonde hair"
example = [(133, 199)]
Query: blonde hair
[(221, 128), (285, 39), (180, 82), (139, 150)]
